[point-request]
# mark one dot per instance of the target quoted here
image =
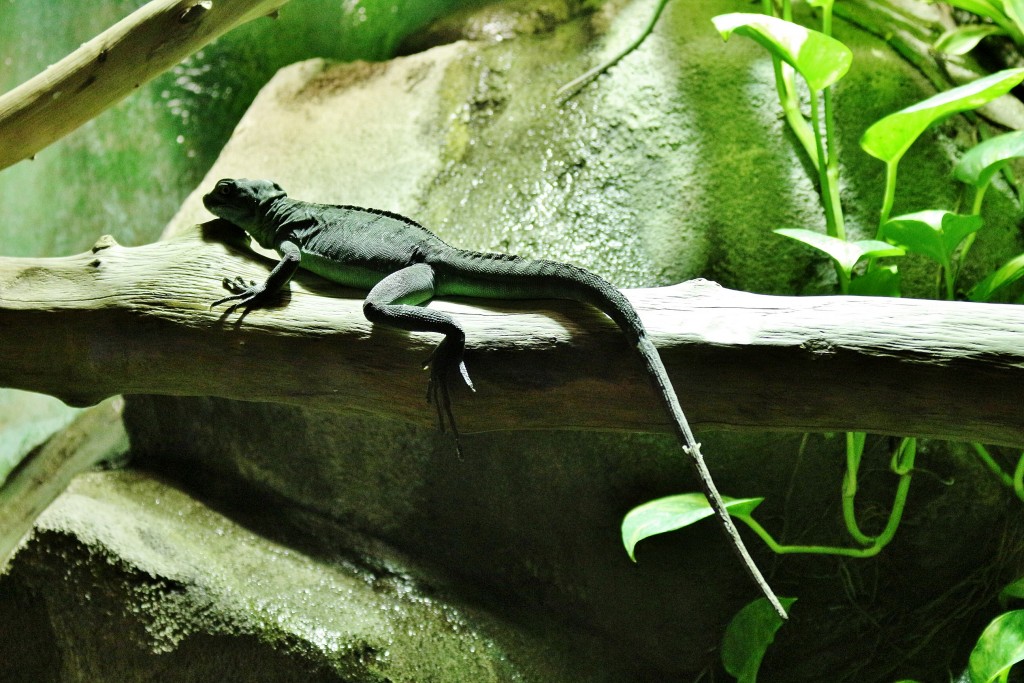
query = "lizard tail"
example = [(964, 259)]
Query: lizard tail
[(615, 305), (503, 276), (656, 370)]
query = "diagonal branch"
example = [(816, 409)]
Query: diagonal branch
[(137, 320), (111, 66)]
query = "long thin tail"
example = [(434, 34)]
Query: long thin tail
[(656, 370), (596, 291)]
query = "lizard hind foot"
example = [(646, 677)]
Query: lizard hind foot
[(446, 358), (439, 395), (245, 292), (251, 297)]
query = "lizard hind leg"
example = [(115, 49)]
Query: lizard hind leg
[(393, 302)]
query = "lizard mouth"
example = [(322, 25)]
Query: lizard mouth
[(210, 201)]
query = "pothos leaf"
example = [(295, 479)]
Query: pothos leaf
[(845, 254), (1012, 591), (880, 281), (1000, 646), (890, 137), (748, 636), (963, 39), (984, 160), (932, 233), (674, 512), (1009, 272), (820, 59)]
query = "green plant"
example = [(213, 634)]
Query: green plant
[(821, 61), (934, 234), (1000, 646), (941, 236), (889, 138), (748, 636), (1007, 17)]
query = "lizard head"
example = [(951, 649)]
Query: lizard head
[(242, 201)]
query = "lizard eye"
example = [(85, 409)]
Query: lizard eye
[(224, 190)]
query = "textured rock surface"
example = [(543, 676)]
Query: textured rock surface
[(129, 579)]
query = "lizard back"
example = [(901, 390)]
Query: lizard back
[(356, 246)]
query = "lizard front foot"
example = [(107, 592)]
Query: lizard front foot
[(247, 294), (445, 359)]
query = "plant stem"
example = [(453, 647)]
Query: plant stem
[(992, 465), (573, 86), (831, 160), (823, 176), (854, 450), (826, 19), (905, 456), (786, 88), (890, 195), (832, 166), (979, 195)]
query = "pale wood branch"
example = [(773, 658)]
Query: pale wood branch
[(96, 435), (137, 320), (111, 66)]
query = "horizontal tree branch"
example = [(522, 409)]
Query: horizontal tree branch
[(111, 66), (138, 320)]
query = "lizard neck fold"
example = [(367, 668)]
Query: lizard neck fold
[(278, 217)]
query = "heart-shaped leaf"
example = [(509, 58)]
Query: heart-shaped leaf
[(845, 254), (991, 9), (1009, 272), (963, 39), (1015, 11), (820, 59), (889, 138), (1000, 646), (879, 281), (933, 233), (675, 512), (748, 636), (984, 160)]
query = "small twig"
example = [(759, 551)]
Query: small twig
[(96, 435), (568, 90)]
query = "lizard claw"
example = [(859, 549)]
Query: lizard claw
[(247, 294), (446, 357), (238, 284)]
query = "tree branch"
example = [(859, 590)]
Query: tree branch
[(137, 320), (109, 67), (96, 435)]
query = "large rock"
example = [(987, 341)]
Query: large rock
[(129, 579)]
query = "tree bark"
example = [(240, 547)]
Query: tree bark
[(138, 320), (111, 66)]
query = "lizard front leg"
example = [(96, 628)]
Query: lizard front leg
[(393, 301), (253, 295)]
